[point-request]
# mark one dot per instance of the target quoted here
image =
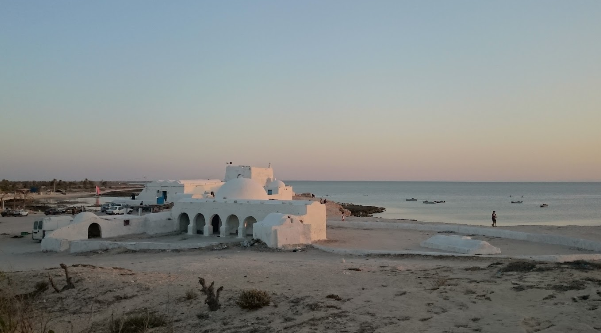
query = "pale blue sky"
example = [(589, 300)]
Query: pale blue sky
[(324, 90)]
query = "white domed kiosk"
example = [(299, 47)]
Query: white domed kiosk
[(241, 189)]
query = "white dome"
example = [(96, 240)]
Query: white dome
[(84, 216), (243, 189), (276, 184)]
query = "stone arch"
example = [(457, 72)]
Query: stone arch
[(199, 224), (215, 223), (184, 221), (248, 225), (231, 225), (94, 231)]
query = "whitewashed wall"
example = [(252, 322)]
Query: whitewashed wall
[(282, 230), (110, 226), (195, 215)]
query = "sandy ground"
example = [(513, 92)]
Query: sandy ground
[(367, 294)]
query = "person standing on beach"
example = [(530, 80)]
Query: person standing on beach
[(494, 218)]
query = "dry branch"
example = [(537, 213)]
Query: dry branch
[(52, 284), (212, 296), (69, 284)]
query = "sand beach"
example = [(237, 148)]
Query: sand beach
[(313, 290)]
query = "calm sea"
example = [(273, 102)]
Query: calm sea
[(470, 203)]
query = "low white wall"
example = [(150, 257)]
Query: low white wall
[(110, 226), (460, 244), (491, 232), (281, 230), (54, 244), (292, 234), (87, 246), (316, 218)]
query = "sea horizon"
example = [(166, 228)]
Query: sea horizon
[(577, 203)]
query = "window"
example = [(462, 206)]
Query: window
[(269, 192), (35, 225)]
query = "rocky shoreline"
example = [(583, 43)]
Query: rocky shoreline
[(335, 209), (361, 210)]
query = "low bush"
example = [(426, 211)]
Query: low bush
[(519, 266), (41, 286), (253, 299), (137, 323), (191, 294), (583, 265)]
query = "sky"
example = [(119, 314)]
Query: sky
[(322, 90)]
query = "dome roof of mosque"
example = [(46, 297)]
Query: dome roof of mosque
[(276, 184), (241, 188)]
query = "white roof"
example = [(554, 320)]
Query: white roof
[(186, 182), (242, 189), (276, 184)]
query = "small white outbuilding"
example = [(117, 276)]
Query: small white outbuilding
[(282, 230)]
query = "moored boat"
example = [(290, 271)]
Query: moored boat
[(544, 205), (412, 199)]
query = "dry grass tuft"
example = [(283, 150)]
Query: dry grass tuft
[(583, 265), (438, 282), (191, 294), (335, 297), (41, 286), (17, 314), (519, 266), (136, 323), (253, 299)]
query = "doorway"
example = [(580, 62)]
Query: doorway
[(216, 224), (94, 231), (184, 221)]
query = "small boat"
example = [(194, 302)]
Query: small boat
[(544, 205), (440, 201), (518, 201), (429, 202), (412, 199)]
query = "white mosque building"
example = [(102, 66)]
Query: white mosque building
[(238, 205), (167, 191), (250, 202)]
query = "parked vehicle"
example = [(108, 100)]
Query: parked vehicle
[(13, 212), (20, 212), (54, 211), (105, 207), (119, 210), (46, 225), (7, 212), (73, 210)]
